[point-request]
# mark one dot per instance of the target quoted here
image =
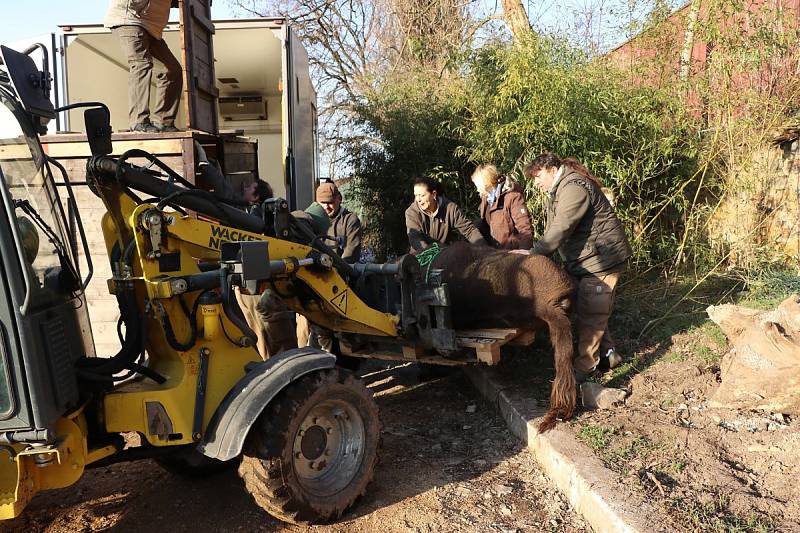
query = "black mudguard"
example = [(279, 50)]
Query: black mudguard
[(243, 404)]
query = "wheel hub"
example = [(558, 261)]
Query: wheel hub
[(329, 447), (313, 442)]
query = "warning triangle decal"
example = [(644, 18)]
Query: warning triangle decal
[(340, 302)]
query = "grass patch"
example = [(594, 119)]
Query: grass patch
[(716, 335), (715, 516), (671, 468), (674, 357), (636, 447), (597, 437)]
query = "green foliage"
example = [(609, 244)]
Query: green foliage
[(508, 104), (405, 113), (542, 95)]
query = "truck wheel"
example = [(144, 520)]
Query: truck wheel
[(313, 450)]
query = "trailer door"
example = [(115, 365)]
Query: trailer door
[(299, 100)]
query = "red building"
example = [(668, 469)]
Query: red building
[(719, 47)]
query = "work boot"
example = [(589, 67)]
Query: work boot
[(165, 129), (144, 127)]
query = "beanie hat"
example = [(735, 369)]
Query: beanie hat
[(327, 192)]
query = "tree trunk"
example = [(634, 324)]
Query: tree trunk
[(762, 368), (516, 18), (688, 41)]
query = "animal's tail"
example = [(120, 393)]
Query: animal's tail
[(563, 394)]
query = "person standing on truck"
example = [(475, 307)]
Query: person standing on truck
[(432, 219), (345, 234), (504, 215), (138, 25), (591, 240)]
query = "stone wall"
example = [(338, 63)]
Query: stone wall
[(759, 218)]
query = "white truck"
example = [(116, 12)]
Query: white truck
[(261, 80), (252, 106)]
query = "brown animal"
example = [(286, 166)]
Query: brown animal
[(489, 288)]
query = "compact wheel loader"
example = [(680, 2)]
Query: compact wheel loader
[(304, 432)]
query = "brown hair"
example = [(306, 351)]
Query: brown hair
[(549, 160)]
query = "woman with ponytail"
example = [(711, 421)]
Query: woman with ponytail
[(582, 227)]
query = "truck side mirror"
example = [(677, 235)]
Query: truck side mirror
[(98, 130), (31, 84)]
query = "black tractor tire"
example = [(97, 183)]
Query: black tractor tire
[(190, 463), (314, 449)]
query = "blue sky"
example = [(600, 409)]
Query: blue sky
[(29, 18)]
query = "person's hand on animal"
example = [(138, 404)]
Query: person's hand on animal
[(520, 252)]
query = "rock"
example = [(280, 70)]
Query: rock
[(502, 490), (505, 510), (595, 396)]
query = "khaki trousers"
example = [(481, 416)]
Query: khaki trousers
[(309, 334), (271, 321), (141, 49), (595, 303)]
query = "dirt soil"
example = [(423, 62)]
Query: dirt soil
[(709, 469), (448, 464)]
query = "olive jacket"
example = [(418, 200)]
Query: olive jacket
[(507, 218), (346, 229), (424, 229), (152, 15), (582, 226)]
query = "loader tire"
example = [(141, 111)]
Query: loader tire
[(313, 451)]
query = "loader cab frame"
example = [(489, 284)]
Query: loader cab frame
[(43, 318)]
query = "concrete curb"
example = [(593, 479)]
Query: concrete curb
[(593, 490)]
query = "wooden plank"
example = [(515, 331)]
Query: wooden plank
[(240, 163), (188, 161), (490, 354), (493, 333), (396, 356), (130, 136), (240, 146), (81, 149), (9, 152), (413, 352), (525, 338)]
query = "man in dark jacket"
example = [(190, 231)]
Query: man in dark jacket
[(345, 226), (138, 24), (433, 218), (345, 234), (582, 226)]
